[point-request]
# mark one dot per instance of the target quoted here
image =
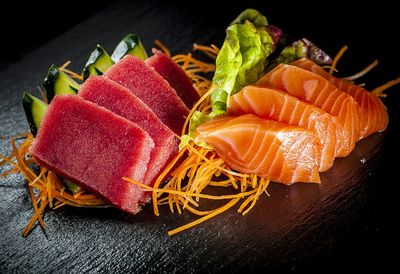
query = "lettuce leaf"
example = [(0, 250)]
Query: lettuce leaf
[(241, 61), (253, 16)]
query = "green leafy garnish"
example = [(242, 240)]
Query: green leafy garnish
[(240, 62)]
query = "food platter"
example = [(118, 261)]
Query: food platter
[(349, 213)]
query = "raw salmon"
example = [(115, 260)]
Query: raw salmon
[(374, 116), (279, 106), (318, 91), (270, 149)]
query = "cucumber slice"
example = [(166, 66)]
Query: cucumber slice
[(99, 61), (73, 187), (34, 109), (59, 83), (131, 45)]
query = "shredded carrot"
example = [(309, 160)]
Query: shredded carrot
[(162, 47), (261, 188), (198, 212), (196, 71), (337, 58), (362, 73), (211, 51), (43, 95), (50, 185), (329, 67), (51, 192), (35, 217), (161, 177), (187, 193), (205, 218), (65, 65), (379, 90), (36, 210), (194, 108), (73, 74), (70, 72)]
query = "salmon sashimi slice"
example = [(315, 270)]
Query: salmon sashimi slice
[(279, 106), (318, 91), (270, 149), (374, 116)]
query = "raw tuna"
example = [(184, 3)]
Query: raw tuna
[(151, 88), (175, 76), (89, 144), (121, 101)]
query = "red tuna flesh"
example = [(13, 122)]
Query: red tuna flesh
[(121, 101), (175, 76), (89, 144), (151, 88)]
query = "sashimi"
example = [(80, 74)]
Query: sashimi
[(91, 145), (152, 89), (121, 101), (374, 116), (175, 76), (282, 107), (270, 149), (318, 91)]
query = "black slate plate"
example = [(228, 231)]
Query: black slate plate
[(347, 222)]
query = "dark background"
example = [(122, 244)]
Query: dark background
[(360, 232), (370, 29)]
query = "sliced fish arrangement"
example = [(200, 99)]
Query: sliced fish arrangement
[(337, 113), (130, 98), (132, 128)]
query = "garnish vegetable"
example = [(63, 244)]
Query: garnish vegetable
[(130, 45), (99, 61), (241, 61), (58, 82), (302, 48)]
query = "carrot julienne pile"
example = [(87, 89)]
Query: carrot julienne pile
[(198, 169), (50, 190)]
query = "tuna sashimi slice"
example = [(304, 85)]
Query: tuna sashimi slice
[(121, 101), (273, 150), (279, 106), (318, 91), (91, 145), (374, 116), (152, 89), (175, 76)]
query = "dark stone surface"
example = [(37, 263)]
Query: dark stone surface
[(346, 223)]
